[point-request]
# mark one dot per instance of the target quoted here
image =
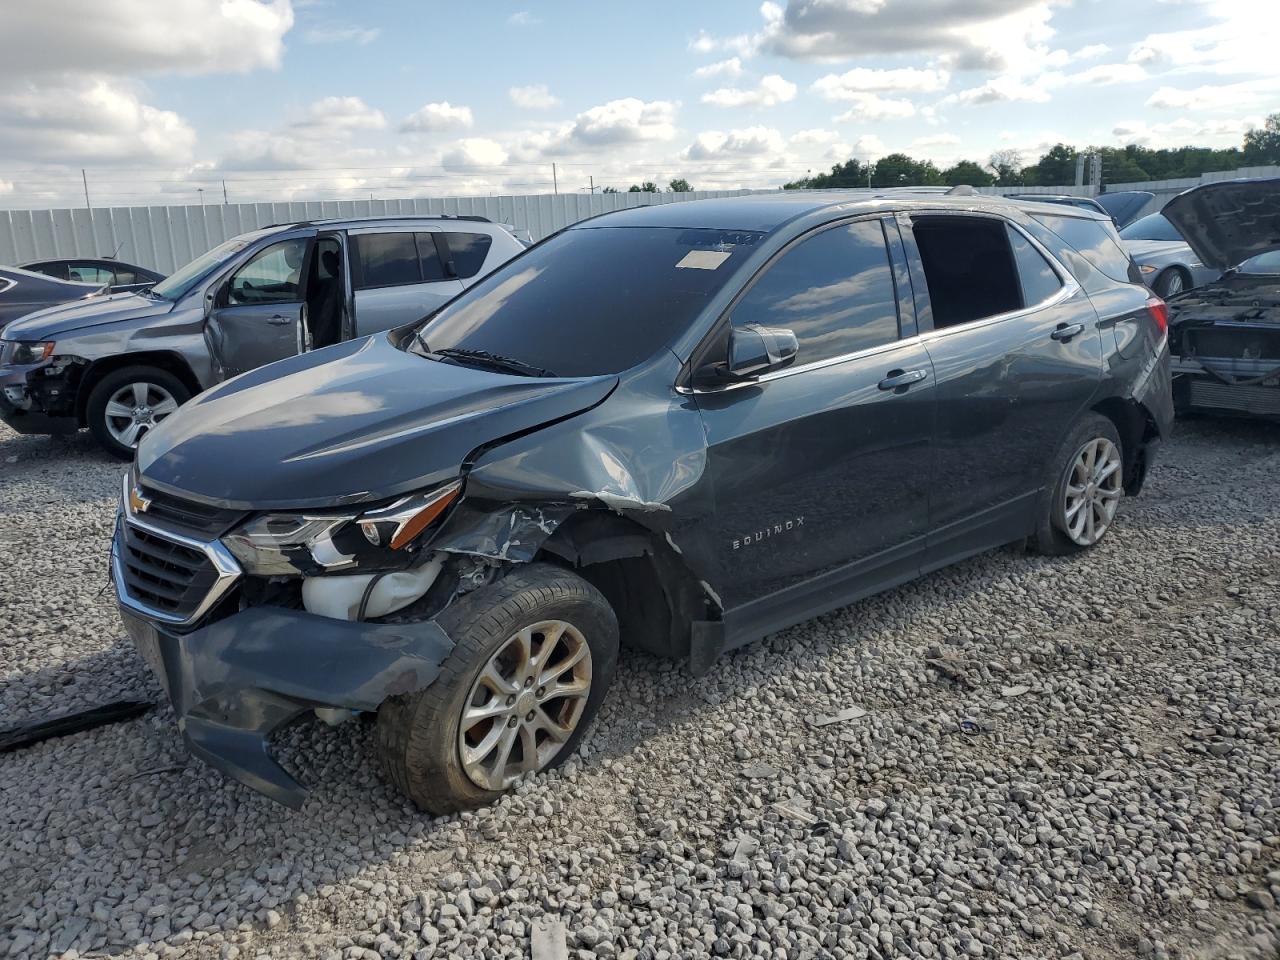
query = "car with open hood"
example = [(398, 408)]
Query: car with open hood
[(119, 365), (1225, 336), (679, 427)]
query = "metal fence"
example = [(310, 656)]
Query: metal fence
[(164, 238)]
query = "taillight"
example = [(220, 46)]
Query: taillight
[(1159, 311)]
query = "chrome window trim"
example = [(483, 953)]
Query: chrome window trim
[(6, 284), (223, 562), (803, 368)]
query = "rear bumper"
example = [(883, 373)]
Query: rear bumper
[(234, 682)]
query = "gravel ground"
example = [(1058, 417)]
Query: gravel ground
[(1117, 793)]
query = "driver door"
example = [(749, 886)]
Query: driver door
[(258, 311)]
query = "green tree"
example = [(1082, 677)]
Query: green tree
[(647, 187), (1262, 144), (681, 185), (1007, 167), (967, 172), (1122, 165), (609, 190), (900, 170), (1057, 168)]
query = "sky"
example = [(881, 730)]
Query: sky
[(164, 101)]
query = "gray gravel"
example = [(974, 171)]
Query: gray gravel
[(1113, 790)]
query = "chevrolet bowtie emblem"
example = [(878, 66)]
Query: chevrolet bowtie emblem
[(137, 502)]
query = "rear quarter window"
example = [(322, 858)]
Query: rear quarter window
[(1096, 241), (468, 252)]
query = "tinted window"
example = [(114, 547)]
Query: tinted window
[(58, 270), (89, 273), (387, 259), (468, 250), (592, 300), (270, 275), (432, 268), (834, 291), (125, 277), (1153, 226), (1094, 240), (1038, 280)]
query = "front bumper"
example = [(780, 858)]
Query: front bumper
[(239, 679), (22, 410)]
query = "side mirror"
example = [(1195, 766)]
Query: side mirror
[(756, 350)]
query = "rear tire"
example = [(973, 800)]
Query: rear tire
[(1084, 488), (430, 743), (128, 403)]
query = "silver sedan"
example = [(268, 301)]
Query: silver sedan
[(1165, 259)]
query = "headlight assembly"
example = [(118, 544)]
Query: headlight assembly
[(27, 351), (313, 543)]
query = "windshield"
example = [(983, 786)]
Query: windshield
[(176, 285), (1265, 263), (1151, 227), (589, 301)]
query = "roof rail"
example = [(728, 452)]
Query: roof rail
[(475, 217)]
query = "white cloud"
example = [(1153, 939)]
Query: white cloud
[(1239, 39), (82, 119), (868, 147), (749, 142), (624, 121), (862, 80), (140, 36), (431, 117), (522, 18), (1005, 88), (771, 91), (1184, 131), (936, 140), (1091, 51), (867, 106), (473, 153), (819, 136), (341, 33), (1227, 96), (721, 68), (533, 97), (1109, 73), (332, 115)]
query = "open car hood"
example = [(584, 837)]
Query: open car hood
[(1228, 222), (1124, 207), (356, 422)]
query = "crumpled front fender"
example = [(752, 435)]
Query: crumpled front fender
[(235, 681)]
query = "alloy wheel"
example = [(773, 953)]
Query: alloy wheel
[(135, 408), (1093, 491), (525, 704)]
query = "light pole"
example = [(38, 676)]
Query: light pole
[(200, 190)]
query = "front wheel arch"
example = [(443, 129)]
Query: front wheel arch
[(165, 360)]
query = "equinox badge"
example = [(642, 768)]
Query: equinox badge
[(782, 526)]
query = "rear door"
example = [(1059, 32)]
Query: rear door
[(257, 312), (821, 470), (1010, 383), (398, 276)]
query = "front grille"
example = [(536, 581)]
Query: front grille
[(166, 576), (189, 516)]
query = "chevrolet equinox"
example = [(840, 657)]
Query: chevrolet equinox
[(679, 427)]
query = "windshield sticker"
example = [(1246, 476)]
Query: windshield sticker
[(703, 259)]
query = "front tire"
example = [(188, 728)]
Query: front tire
[(1170, 283), (125, 404), (534, 654), (1085, 487)]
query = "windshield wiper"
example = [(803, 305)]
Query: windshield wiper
[(486, 360)]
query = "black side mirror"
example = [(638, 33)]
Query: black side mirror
[(755, 350)]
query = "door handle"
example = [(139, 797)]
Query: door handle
[(900, 380), (279, 320), (1063, 332)]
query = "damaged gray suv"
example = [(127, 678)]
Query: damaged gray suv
[(679, 428)]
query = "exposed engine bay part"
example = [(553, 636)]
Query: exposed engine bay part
[(363, 596), (64, 724)]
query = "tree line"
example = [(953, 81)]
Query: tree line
[(1056, 167)]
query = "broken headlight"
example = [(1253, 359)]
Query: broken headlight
[(27, 351), (310, 544)]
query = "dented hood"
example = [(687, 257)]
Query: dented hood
[(1228, 222), (356, 422)]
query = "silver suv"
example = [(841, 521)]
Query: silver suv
[(121, 364)]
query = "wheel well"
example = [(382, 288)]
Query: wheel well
[(164, 360), (1135, 427), (651, 589)]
